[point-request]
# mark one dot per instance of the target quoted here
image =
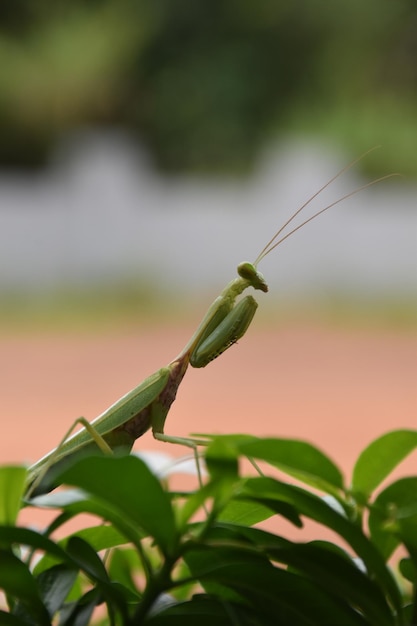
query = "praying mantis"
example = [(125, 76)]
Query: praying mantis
[(147, 405)]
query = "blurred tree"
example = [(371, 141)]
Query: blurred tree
[(61, 67), (205, 83)]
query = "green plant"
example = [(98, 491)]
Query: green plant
[(159, 557)]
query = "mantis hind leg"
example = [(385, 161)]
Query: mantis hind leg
[(36, 487)]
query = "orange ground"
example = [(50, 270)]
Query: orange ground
[(337, 389)]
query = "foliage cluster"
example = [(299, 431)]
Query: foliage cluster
[(161, 557), (206, 84)]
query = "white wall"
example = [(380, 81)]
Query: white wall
[(100, 213)]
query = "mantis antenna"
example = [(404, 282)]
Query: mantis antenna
[(273, 243)]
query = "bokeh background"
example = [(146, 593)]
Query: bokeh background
[(149, 146)]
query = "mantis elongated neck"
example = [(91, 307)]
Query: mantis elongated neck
[(226, 298)]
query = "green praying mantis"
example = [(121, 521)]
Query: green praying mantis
[(147, 405)]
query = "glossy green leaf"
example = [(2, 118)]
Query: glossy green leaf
[(393, 516), (124, 565), (87, 559), (17, 581), (7, 619), (279, 507), (253, 578), (297, 458), (79, 613), (409, 570), (206, 611), (211, 491), (204, 561), (274, 593), (245, 512), (100, 537), (58, 499), (315, 508), (90, 562), (409, 614), (121, 526), (338, 576), (321, 562), (129, 487), (10, 535), (378, 459), (233, 535), (55, 585), (221, 458), (12, 487)]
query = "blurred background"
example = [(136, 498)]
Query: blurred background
[(149, 146)]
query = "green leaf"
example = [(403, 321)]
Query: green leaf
[(221, 458), (90, 562), (129, 487), (79, 613), (219, 491), (378, 459), (274, 593), (206, 611), (55, 585), (99, 537), (297, 458), (12, 487), (7, 619), (124, 565), (279, 507), (195, 502), (85, 503), (17, 581), (87, 559), (393, 517), (245, 512), (317, 509), (409, 570), (338, 576), (10, 535), (321, 562)]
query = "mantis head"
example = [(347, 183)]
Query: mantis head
[(249, 272)]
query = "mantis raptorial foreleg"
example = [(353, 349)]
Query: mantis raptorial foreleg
[(147, 406)]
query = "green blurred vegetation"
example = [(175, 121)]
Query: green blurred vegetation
[(206, 84)]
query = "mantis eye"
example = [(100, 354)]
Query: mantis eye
[(249, 272)]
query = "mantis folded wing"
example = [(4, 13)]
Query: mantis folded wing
[(147, 406)]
